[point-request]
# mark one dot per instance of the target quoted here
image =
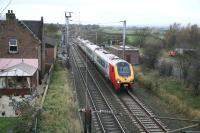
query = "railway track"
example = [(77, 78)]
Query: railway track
[(81, 89), (133, 113), (142, 114), (134, 109), (105, 122)]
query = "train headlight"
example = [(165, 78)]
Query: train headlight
[(118, 81), (132, 81)]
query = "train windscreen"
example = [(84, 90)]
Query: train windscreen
[(124, 69)]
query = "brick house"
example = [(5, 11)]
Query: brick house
[(21, 55), (50, 51), (131, 53)]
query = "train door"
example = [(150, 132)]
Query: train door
[(112, 76), (111, 73)]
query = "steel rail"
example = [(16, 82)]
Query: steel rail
[(143, 109), (102, 96), (147, 112), (88, 92), (98, 88)]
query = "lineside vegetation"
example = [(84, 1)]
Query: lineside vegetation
[(59, 114), (170, 90)]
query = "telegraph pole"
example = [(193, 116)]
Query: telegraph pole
[(67, 16), (96, 37), (124, 37)]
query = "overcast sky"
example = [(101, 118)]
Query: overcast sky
[(109, 12)]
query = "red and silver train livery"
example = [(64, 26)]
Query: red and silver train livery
[(117, 70)]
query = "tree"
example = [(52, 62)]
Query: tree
[(184, 63), (141, 35), (188, 39), (171, 35), (194, 36), (195, 78), (51, 28), (165, 68), (194, 74), (151, 53)]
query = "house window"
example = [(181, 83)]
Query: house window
[(13, 48)]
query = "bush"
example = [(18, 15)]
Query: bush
[(171, 91), (147, 83), (165, 68), (194, 77), (25, 122), (151, 53)]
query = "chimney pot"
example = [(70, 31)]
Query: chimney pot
[(10, 15)]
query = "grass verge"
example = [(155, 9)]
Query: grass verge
[(171, 91), (7, 124), (59, 114)]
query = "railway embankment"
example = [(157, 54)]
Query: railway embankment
[(172, 91), (59, 113)]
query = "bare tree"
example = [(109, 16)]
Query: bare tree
[(194, 74), (171, 35), (184, 63), (151, 53), (142, 34), (187, 38)]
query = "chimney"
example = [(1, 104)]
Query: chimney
[(10, 15)]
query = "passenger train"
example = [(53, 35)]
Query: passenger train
[(117, 70)]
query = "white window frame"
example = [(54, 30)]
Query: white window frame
[(13, 52)]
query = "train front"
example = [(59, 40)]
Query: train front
[(124, 76)]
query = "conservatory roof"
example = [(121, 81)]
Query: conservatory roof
[(18, 67)]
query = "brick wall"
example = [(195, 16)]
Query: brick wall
[(28, 46), (134, 55), (49, 55)]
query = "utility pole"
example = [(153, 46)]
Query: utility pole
[(96, 37), (124, 37), (67, 16)]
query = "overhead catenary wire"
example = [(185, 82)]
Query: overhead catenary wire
[(2, 3), (81, 22), (4, 8), (103, 23), (113, 22)]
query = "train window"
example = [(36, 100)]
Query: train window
[(123, 69), (98, 60), (102, 63), (89, 51)]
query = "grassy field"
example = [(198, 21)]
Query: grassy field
[(6, 124), (171, 91), (132, 40), (60, 114), (117, 30)]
